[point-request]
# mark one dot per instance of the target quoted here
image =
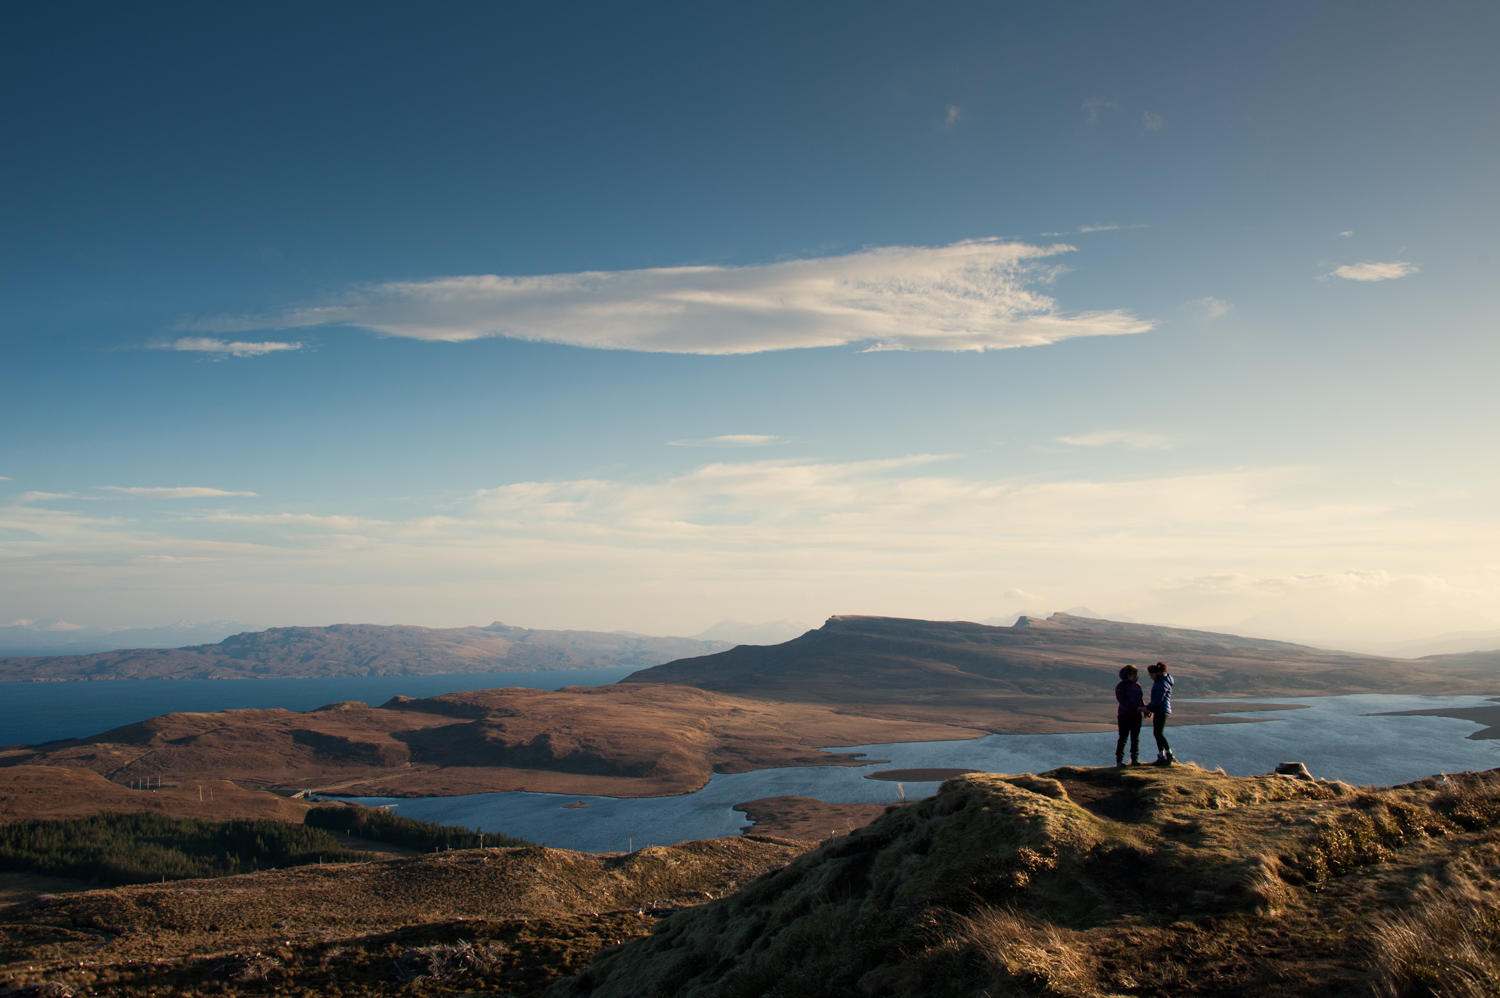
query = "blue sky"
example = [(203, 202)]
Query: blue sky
[(617, 317)]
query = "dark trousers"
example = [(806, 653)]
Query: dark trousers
[(1158, 723), (1130, 727)]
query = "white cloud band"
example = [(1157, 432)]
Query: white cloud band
[(729, 440), (229, 348), (1126, 438), (170, 492), (1371, 271), (977, 295)]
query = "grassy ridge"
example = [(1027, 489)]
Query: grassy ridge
[(136, 848), (379, 825), (114, 849)]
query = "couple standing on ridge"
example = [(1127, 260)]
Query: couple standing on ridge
[(1132, 707)]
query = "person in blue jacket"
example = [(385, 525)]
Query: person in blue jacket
[(1131, 707), (1158, 710)]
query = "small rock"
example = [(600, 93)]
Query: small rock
[(1297, 769)]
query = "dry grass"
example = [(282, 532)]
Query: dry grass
[(1446, 945), (1082, 883), (1025, 952)]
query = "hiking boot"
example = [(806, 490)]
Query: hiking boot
[(1163, 760), (1119, 760), (1171, 757)]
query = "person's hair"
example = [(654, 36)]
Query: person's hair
[(1128, 672), (1159, 667)]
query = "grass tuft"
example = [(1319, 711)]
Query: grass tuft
[(1446, 944), (1023, 952)]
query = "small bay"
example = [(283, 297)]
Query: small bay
[(1341, 738)]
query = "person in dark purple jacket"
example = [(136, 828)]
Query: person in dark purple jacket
[(1131, 707)]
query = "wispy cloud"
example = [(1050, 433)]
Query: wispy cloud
[(1084, 230), (1210, 307), (170, 492), (977, 295), (38, 496), (1094, 108), (1153, 121), (729, 440), (219, 349), (335, 523), (1371, 271), (1121, 438), (951, 116), (911, 535), (1346, 233)]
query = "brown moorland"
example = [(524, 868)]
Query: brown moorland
[(513, 919), (634, 740)]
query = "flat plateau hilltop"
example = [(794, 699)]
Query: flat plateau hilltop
[(365, 650), (922, 663), (1082, 882)]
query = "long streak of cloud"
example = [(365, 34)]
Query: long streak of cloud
[(728, 440), (170, 492), (218, 349), (1126, 438), (1372, 271), (976, 295)]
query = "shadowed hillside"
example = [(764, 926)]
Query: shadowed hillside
[(366, 650), (507, 920)]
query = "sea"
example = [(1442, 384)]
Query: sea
[(1357, 739), (33, 713), (1350, 738)]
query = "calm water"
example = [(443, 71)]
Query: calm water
[(1337, 737), (31, 713)]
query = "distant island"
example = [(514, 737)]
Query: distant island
[(366, 650)]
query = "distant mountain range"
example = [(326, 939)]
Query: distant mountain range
[(366, 650)]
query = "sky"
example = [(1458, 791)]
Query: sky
[(646, 317)]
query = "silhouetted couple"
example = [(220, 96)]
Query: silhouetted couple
[(1132, 707)]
